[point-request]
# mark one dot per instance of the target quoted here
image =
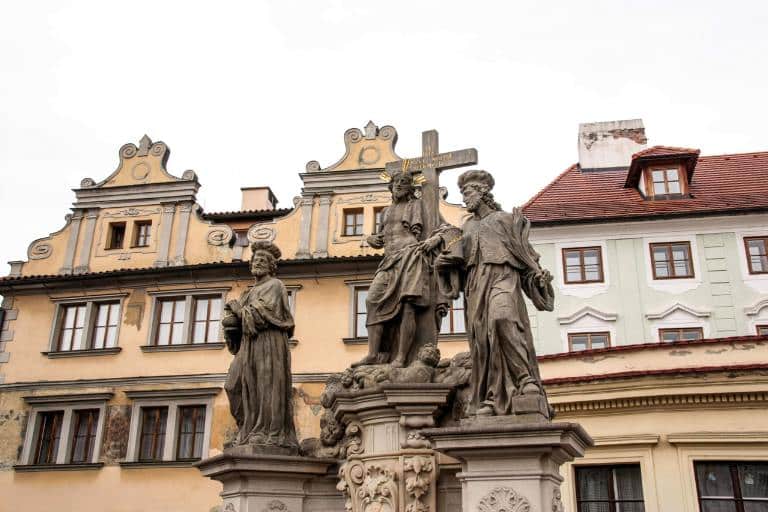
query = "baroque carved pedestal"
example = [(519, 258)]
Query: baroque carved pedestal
[(510, 467), (256, 482), (391, 467)]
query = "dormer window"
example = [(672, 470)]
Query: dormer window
[(667, 181), (662, 172)]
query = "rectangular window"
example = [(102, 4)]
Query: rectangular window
[(353, 222), (152, 435), (583, 265), (378, 218), (609, 488), (681, 334), (453, 322), (361, 331), (757, 254), (671, 260), (142, 232), (189, 443), (116, 235), (241, 238), (732, 486), (762, 330), (170, 327), (105, 326), (84, 435), (48, 435), (207, 317), (71, 332), (666, 182), (588, 341)]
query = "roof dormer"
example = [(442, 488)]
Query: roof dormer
[(662, 172)]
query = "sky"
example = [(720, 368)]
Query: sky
[(245, 93)]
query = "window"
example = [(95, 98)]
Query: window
[(762, 330), (207, 316), (583, 265), (116, 235), (378, 218), (361, 313), (609, 488), (757, 254), (588, 341), (189, 443), (170, 329), (671, 260), (353, 222), (152, 443), (84, 435), (48, 435), (665, 182), (241, 238), (169, 426), (86, 327), (453, 322), (681, 334), (732, 486), (142, 233)]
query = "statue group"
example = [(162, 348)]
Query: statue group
[(426, 264)]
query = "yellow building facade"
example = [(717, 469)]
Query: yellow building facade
[(112, 363)]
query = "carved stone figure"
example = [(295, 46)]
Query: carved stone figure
[(402, 291), (257, 328), (495, 264)]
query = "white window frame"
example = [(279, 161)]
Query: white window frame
[(69, 404), (91, 310), (758, 282), (189, 296), (353, 287), (582, 290), (173, 399), (677, 285)]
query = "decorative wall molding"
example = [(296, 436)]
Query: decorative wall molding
[(677, 401), (677, 307), (587, 311), (718, 437), (504, 499), (755, 309), (220, 235), (632, 439)]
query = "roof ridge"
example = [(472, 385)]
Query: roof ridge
[(549, 185)]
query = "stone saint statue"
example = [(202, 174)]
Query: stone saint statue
[(496, 265), (257, 328), (402, 290)]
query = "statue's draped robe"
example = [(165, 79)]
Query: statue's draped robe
[(259, 380), (499, 266)]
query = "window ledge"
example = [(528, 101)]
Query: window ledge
[(182, 348), (82, 353), (452, 337), (159, 464), (355, 341), (57, 467)]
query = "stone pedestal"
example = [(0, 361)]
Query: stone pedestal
[(390, 467), (506, 466), (256, 482)]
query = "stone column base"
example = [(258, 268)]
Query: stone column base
[(274, 483), (508, 466)]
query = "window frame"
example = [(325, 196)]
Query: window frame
[(738, 499), (69, 405), (189, 296), (748, 239), (662, 330), (589, 335), (450, 316), (682, 180), (111, 245), (353, 211), (378, 223), (356, 313), (180, 424), (136, 234), (612, 501), (760, 327), (582, 266), (669, 245), (173, 400), (89, 324)]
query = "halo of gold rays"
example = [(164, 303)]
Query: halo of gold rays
[(417, 179)]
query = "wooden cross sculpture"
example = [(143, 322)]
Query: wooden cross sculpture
[(429, 164)]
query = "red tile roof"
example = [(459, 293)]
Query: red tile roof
[(662, 151), (722, 184)]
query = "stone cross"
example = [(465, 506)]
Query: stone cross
[(429, 164)]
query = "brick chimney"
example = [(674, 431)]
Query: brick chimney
[(610, 144), (258, 198)]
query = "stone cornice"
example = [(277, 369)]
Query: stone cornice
[(673, 401)]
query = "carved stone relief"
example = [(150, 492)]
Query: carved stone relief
[(220, 235), (504, 499), (276, 506), (261, 233), (40, 251), (418, 484), (133, 212), (557, 501), (368, 488)]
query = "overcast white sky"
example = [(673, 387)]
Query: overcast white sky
[(246, 93)]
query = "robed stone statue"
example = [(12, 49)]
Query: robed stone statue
[(493, 262), (257, 328)]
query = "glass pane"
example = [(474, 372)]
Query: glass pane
[(658, 176), (458, 322), (361, 331), (672, 175), (361, 296), (681, 269), (714, 479), (213, 332), (198, 453), (66, 340), (680, 252), (718, 506), (99, 335), (185, 446), (198, 335), (599, 341), (659, 254), (102, 313), (593, 483), (755, 506), (661, 269), (201, 309), (629, 484), (758, 263), (591, 257), (673, 187), (114, 314), (573, 274), (595, 507), (592, 272), (753, 479), (163, 334), (458, 303), (165, 311), (111, 337), (631, 507), (578, 343), (572, 258), (69, 316), (177, 334), (215, 309), (178, 312), (691, 334), (77, 340), (80, 319), (669, 335), (659, 189)]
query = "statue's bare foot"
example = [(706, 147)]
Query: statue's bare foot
[(397, 363), (369, 359)]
